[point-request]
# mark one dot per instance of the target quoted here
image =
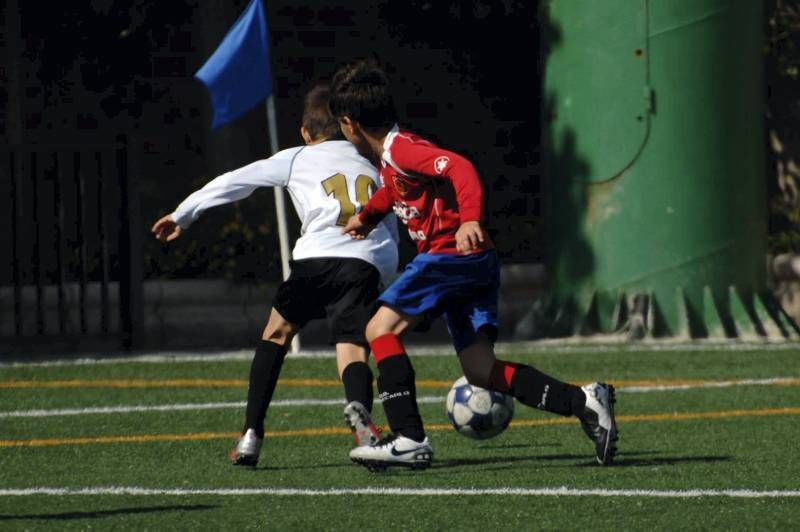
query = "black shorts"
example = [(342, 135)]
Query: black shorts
[(344, 290)]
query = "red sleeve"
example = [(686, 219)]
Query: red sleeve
[(429, 160), (377, 207)]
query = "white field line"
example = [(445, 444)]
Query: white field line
[(773, 381), (425, 399), (544, 347), (128, 409), (562, 491)]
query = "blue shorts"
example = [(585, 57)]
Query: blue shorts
[(462, 287)]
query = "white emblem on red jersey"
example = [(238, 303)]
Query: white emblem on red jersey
[(440, 163), (405, 212)]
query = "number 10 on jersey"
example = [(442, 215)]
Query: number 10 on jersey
[(337, 185)]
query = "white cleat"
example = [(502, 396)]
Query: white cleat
[(598, 420), (358, 419), (394, 451), (247, 450)]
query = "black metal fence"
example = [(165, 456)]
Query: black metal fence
[(70, 264)]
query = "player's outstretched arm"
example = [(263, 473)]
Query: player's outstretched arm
[(236, 185), (357, 229), (166, 229)]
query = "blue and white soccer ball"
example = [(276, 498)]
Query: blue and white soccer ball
[(478, 413)]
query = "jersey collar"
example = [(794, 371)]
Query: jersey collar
[(387, 142), (386, 157)]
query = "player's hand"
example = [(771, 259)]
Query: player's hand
[(357, 229), (468, 237), (166, 229)]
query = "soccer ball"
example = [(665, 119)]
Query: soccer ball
[(478, 413)]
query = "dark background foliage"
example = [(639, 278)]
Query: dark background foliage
[(466, 75)]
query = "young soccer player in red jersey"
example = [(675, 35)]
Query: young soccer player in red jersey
[(438, 195)]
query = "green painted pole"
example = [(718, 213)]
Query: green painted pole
[(655, 205)]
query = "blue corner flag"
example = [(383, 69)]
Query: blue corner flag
[(237, 74)]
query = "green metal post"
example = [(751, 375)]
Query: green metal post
[(655, 204)]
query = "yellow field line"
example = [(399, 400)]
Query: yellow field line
[(242, 383), (184, 383), (157, 383), (335, 431), (672, 416)]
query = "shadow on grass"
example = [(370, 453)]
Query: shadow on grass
[(516, 446), (107, 513), (298, 467), (628, 459), (637, 459)]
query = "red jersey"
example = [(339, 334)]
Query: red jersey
[(432, 191)]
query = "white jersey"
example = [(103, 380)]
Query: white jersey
[(328, 182)]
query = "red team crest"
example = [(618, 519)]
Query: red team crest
[(400, 185)]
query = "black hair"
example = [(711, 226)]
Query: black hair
[(361, 91)]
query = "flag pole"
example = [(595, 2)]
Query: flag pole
[(236, 84), (280, 204)]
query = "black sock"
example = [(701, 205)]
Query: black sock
[(357, 380), (264, 371), (398, 393), (533, 388)]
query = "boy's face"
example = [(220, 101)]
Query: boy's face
[(353, 133)]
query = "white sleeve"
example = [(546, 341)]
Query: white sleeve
[(235, 185), (391, 225)]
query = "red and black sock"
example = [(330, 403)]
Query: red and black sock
[(357, 379), (264, 371), (397, 388), (534, 388)]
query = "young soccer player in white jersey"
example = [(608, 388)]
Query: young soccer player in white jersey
[(332, 275)]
